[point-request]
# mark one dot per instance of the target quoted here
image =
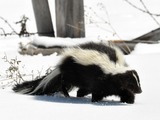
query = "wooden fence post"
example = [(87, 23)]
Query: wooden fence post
[(70, 18), (43, 17)]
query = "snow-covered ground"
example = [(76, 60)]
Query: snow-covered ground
[(145, 59), (128, 23)]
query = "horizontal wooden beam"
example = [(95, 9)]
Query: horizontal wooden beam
[(154, 35)]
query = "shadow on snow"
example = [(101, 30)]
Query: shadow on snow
[(76, 100)]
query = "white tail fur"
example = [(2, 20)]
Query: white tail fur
[(46, 80)]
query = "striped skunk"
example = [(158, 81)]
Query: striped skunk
[(94, 68)]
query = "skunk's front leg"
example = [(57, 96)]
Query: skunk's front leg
[(64, 90), (63, 87), (127, 96)]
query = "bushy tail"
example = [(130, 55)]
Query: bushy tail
[(46, 85), (27, 86)]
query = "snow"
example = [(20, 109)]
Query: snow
[(50, 41), (146, 48), (127, 21)]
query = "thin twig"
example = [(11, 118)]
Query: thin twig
[(72, 26), (104, 20), (151, 15), (3, 31), (108, 22), (157, 15), (8, 24), (127, 50)]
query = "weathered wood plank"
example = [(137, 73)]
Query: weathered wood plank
[(70, 18), (43, 17), (151, 36), (128, 46)]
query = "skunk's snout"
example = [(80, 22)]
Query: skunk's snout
[(138, 91)]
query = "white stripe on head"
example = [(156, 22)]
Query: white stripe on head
[(136, 78)]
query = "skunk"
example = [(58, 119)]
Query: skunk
[(94, 68)]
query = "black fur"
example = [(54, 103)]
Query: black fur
[(90, 79)]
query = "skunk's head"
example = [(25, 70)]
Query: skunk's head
[(130, 80)]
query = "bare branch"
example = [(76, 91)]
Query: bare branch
[(75, 27), (157, 15), (3, 31), (8, 24), (149, 13), (108, 22)]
